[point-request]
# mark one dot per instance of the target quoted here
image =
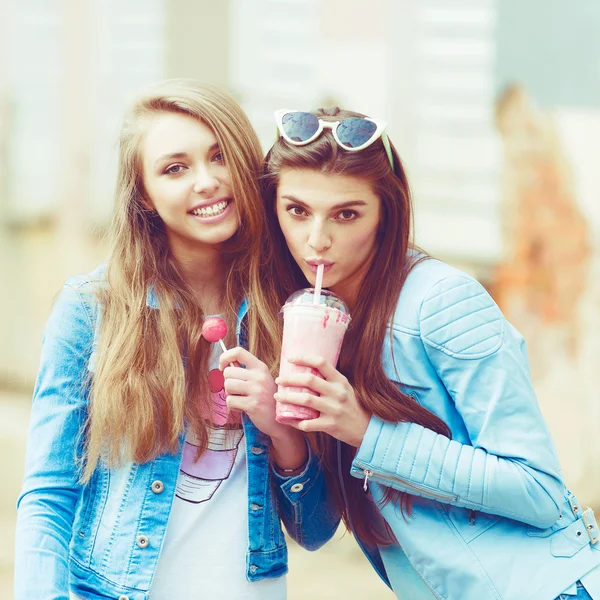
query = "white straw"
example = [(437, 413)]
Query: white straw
[(318, 284)]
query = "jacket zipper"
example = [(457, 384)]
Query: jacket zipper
[(368, 474)]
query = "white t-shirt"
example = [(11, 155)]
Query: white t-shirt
[(204, 551)]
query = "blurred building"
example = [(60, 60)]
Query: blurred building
[(507, 190)]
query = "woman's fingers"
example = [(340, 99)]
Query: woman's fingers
[(325, 368), (237, 403), (314, 425), (303, 399), (238, 373), (241, 356), (236, 387), (305, 380)]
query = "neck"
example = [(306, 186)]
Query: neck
[(203, 271)]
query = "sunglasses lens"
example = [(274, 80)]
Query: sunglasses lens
[(300, 126), (355, 132)]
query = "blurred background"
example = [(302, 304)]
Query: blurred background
[(493, 104)]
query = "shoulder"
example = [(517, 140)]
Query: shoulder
[(88, 282), (423, 277), (78, 299), (450, 310)]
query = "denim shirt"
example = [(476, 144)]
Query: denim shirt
[(103, 539), (491, 518)]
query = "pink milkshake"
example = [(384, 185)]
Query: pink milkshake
[(309, 328)]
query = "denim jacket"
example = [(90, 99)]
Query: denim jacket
[(491, 518), (103, 539)]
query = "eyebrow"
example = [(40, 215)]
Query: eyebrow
[(348, 204), (177, 155)]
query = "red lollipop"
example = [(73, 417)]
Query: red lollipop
[(214, 330)]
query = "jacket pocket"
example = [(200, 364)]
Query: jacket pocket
[(88, 515), (470, 524)]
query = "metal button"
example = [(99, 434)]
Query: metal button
[(143, 541), (297, 487), (123, 597), (158, 486), (256, 507), (253, 569), (256, 450)]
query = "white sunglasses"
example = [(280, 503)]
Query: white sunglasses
[(352, 133)]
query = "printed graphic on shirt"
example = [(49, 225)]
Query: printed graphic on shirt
[(200, 479)]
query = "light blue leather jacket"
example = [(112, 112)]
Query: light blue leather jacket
[(491, 518), (103, 540)]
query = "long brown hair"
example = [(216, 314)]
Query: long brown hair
[(360, 360), (141, 395)]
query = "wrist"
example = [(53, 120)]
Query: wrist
[(285, 435), (290, 452)]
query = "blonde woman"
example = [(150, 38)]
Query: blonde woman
[(142, 480)]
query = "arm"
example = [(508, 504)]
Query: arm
[(306, 508), (50, 489), (511, 468)]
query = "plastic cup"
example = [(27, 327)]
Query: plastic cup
[(309, 328)]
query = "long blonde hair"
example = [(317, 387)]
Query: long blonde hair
[(142, 397)]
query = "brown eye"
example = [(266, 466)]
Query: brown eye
[(174, 169), (348, 215), (295, 211)]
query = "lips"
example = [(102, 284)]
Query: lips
[(313, 264)]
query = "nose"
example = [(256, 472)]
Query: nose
[(206, 183), (319, 238)]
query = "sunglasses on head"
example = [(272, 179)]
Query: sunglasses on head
[(353, 133)]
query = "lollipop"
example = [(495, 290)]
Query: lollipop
[(215, 330)]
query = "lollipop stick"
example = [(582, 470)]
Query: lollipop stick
[(318, 284), (224, 348)]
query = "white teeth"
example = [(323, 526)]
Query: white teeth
[(211, 211)]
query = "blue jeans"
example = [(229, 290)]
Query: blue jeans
[(581, 594)]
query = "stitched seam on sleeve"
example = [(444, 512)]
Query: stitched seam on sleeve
[(470, 475), (485, 482), (389, 443), (416, 453), (454, 304), (465, 316), (443, 463), (466, 281), (401, 453), (82, 302), (429, 462), (497, 334), (456, 469), (475, 356), (85, 308)]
